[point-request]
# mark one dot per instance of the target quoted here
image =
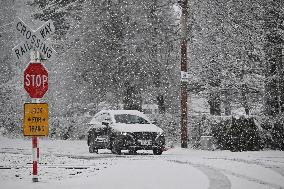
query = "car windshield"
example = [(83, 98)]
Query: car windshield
[(129, 119)]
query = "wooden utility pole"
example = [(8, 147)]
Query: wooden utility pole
[(184, 75)]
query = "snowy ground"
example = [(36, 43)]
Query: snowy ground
[(67, 164)]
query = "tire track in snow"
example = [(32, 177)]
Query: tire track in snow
[(216, 178), (251, 179), (270, 185), (18, 166), (87, 157), (73, 156), (278, 169), (258, 181)]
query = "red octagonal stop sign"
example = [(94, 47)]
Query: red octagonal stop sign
[(36, 80)]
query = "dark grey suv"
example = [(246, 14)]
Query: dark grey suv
[(124, 130)]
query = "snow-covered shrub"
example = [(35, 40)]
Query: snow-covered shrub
[(244, 135), (277, 135), (201, 125), (274, 132), (238, 135), (220, 133)]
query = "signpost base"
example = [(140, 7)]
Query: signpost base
[(35, 158)]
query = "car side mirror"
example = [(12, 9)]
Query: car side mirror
[(154, 122)]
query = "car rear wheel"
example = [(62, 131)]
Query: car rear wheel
[(157, 151)]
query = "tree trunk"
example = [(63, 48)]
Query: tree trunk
[(132, 98), (215, 104), (227, 104), (244, 92), (161, 103), (244, 99)]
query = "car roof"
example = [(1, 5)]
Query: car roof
[(114, 112)]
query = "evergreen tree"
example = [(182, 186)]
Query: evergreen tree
[(274, 40)]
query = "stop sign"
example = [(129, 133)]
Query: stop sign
[(36, 80)]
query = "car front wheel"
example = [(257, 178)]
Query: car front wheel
[(115, 149), (93, 150), (157, 151)]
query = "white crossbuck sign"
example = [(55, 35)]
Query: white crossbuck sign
[(34, 39)]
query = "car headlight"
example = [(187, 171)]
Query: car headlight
[(123, 133), (160, 134), (160, 139)]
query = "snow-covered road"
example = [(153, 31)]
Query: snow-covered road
[(68, 164)]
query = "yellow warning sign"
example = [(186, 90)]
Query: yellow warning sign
[(35, 119)]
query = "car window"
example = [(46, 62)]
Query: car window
[(104, 117), (95, 119), (130, 119), (99, 118)]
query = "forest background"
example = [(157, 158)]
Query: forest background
[(127, 53)]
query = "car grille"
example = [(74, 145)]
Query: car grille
[(145, 135)]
